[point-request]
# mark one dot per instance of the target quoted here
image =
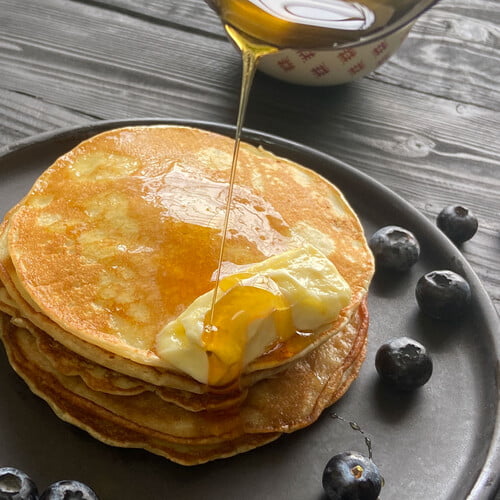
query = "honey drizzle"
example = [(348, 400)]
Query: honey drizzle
[(251, 52)]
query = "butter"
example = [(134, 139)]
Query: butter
[(297, 291)]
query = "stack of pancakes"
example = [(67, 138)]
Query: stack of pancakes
[(118, 237)]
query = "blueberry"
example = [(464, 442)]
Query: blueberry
[(68, 490), (457, 222), (443, 294), (403, 363), (351, 476), (16, 485), (394, 248)]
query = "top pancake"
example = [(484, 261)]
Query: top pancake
[(122, 233)]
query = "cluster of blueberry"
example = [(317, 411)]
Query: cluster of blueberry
[(17, 485), (404, 363)]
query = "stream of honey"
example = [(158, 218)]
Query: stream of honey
[(251, 52), (214, 338)]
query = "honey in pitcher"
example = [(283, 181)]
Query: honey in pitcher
[(310, 23)]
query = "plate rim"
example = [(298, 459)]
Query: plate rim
[(488, 480)]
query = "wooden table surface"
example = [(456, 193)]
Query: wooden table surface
[(426, 123)]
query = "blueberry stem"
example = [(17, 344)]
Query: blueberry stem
[(357, 428)]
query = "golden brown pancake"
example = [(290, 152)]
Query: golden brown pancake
[(122, 233), (118, 237), (273, 406)]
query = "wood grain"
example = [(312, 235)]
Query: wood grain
[(432, 139), (22, 116), (456, 42), (458, 54)]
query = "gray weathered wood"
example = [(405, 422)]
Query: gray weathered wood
[(22, 116), (456, 42)]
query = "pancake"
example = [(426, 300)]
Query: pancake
[(136, 212), (273, 406), (105, 259)]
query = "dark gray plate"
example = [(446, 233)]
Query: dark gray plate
[(441, 442)]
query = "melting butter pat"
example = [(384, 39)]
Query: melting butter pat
[(269, 302)]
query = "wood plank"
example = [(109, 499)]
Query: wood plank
[(440, 46), (191, 15), (81, 45), (22, 116), (457, 53)]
